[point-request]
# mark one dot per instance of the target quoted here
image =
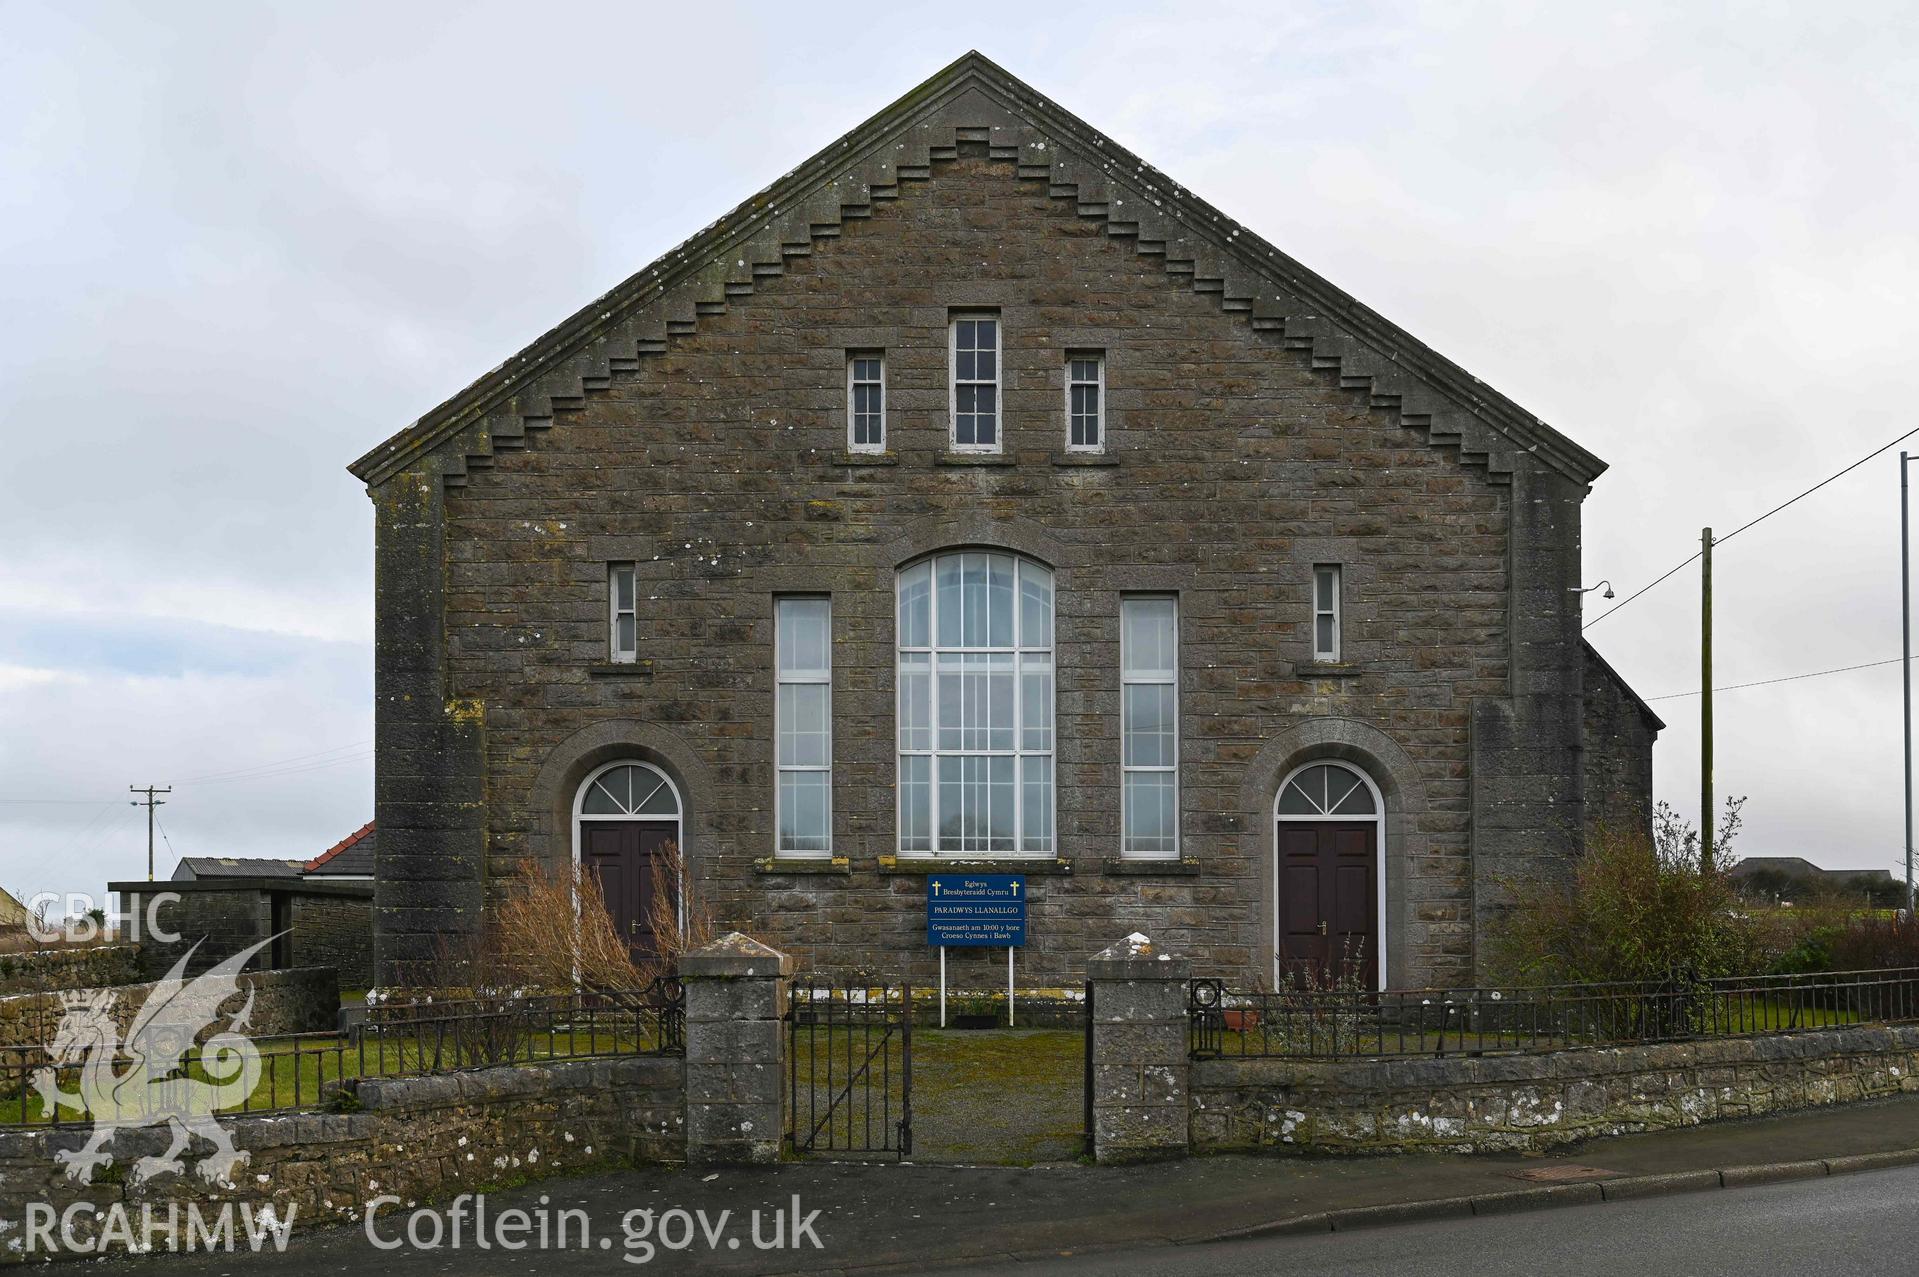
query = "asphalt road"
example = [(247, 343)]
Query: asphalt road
[(1860, 1225)]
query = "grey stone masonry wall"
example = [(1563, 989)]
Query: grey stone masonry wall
[(299, 1001), (1234, 462), (317, 923), (335, 931), (735, 1051), (415, 1139), (70, 967), (1139, 1065), (429, 777), (220, 917), (1619, 736), (1530, 1103)]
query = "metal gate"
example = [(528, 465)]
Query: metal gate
[(849, 1052), (1090, 1146)]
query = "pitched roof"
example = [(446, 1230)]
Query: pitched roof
[(235, 867), (1651, 715), (352, 856), (974, 101)]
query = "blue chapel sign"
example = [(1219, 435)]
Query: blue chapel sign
[(976, 910)]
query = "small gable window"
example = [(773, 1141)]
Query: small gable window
[(1326, 618), (622, 627), (1086, 402), (866, 401), (975, 406)]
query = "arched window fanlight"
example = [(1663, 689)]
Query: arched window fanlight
[(629, 790), (1327, 790)]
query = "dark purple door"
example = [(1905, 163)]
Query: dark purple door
[(630, 860), (1327, 899)]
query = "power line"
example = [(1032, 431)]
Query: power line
[(292, 771), (86, 829), (1784, 678), (281, 762), (1694, 557)]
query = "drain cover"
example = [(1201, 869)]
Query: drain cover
[(1564, 1173)]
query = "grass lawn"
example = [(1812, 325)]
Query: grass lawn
[(298, 1072), (1008, 1096)]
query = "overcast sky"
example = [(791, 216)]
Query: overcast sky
[(242, 243)]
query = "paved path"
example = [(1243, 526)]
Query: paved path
[(1860, 1225), (912, 1218)]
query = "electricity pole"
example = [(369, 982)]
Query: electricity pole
[(1705, 699), (150, 803), (1905, 650)]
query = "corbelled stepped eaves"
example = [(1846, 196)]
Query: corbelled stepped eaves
[(973, 101)]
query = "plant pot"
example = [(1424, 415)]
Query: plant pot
[(1240, 1021), (972, 1020)]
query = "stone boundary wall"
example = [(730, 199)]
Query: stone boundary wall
[(1529, 1103), (416, 1138), (70, 967), (301, 1001)]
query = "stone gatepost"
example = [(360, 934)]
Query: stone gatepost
[(1140, 1061), (735, 1051)]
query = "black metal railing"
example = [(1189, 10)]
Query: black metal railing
[(314, 1070), (1303, 1021)]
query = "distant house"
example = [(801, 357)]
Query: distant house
[(319, 911), (349, 860), (12, 912), (1784, 877)]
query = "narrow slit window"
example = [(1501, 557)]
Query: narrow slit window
[(1149, 727), (622, 618), (1326, 612), (866, 402), (803, 729), (1086, 403), (976, 341)]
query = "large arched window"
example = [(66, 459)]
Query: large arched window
[(976, 706)]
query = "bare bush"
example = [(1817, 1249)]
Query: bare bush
[(554, 931)]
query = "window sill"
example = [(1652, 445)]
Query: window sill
[(1327, 669), (1000, 865), (1151, 868), (803, 865), (866, 459), (1085, 459), (621, 669), (972, 459)]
